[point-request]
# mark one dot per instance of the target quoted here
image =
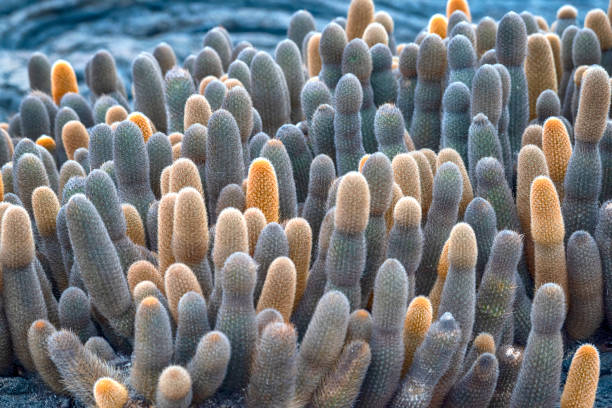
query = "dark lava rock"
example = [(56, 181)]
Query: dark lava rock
[(75, 29), (30, 392)]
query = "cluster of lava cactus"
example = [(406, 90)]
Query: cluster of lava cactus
[(344, 222)]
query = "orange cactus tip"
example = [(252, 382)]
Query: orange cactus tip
[(385, 19), (39, 324), (74, 135), (204, 83), (262, 189), (314, 57), (175, 138), (363, 161), (375, 33), (567, 12), (174, 382), (116, 113), (275, 142), (462, 250), (461, 5), (554, 125), (232, 83), (581, 385), (546, 220), (484, 343), (421, 302), (437, 25), (108, 393), (176, 151), (46, 142), (143, 123), (361, 314), (63, 80), (587, 351), (150, 301)]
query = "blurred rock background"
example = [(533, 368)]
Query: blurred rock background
[(75, 29)]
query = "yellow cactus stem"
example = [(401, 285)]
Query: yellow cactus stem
[(279, 288), (598, 21), (431, 157), (256, 222), (386, 20), (175, 138), (63, 80), (262, 189), (143, 123), (164, 180), (461, 5), (555, 46), (108, 393), (547, 231), (375, 33), (557, 150), (114, 114), (360, 14), (74, 135), (135, 229), (406, 175), (314, 57), (176, 151), (436, 291), (451, 155), (578, 75), (165, 224), (141, 271), (232, 83), (540, 70), (532, 135), (204, 83), (395, 65), (179, 279), (408, 139), (416, 324), (581, 384), (197, 110), (484, 343), (542, 23), (46, 142), (299, 236), (363, 161), (437, 25), (389, 214), (425, 178)]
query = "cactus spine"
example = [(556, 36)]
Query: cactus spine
[(21, 289), (272, 383), (348, 239), (547, 231), (580, 200), (539, 376), (581, 384), (431, 67), (584, 275), (152, 346)]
